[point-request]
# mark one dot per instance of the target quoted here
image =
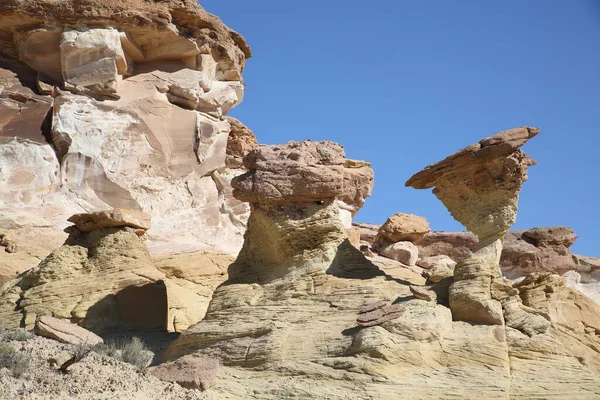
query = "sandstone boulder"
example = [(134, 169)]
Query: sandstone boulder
[(436, 261), (190, 371), (404, 227), (303, 172), (405, 252), (456, 245), (65, 332)]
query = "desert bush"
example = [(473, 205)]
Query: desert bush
[(18, 335), (17, 363), (134, 352), (78, 353)]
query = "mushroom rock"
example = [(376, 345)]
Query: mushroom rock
[(104, 279), (302, 197), (480, 187)]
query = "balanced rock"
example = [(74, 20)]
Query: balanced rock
[(404, 227), (117, 218), (480, 186), (64, 331)]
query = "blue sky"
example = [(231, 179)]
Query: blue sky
[(403, 84)]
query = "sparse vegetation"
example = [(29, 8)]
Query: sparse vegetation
[(17, 363), (134, 352), (18, 335), (79, 352)]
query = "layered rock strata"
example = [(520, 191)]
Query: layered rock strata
[(480, 187), (287, 324), (119, 105), (104, 279)]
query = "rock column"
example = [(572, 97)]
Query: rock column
[(299, 193), (480, 187)]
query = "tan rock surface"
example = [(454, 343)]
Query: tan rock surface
[(109, 87), (65, 332), (105, 279), (404, 227), (480, 186), (116, 218)]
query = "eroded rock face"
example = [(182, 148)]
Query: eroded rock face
[(120, 105), (103, 278), (480, 186)]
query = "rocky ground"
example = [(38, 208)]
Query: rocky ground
[(95, 377)]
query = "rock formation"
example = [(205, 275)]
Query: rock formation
[(480, 186), (103, 279), (286, 324), (119, 104), (302, 197)]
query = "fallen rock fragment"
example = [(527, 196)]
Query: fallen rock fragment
[(191, 371), (65, 332), (379, 312), (404, 252)]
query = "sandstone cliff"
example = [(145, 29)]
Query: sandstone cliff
[(118, 104)]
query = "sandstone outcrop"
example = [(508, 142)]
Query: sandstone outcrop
[(103, 279), (287, 325), (480, 187), (120, 105), (302, 197)]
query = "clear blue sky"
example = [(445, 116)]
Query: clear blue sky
[(403, 84)]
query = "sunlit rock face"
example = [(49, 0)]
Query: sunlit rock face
[(480, 186), (120, 104), (299, 194), (103, 278)]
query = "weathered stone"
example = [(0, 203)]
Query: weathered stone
[(241, 140), (404, 227), (64, 331), (480, 186), (118, 140), (405, 252), (436, 261), (552, 236), (190, 371), (456, 245), (303, 172), (116, 218), (423, 293)]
